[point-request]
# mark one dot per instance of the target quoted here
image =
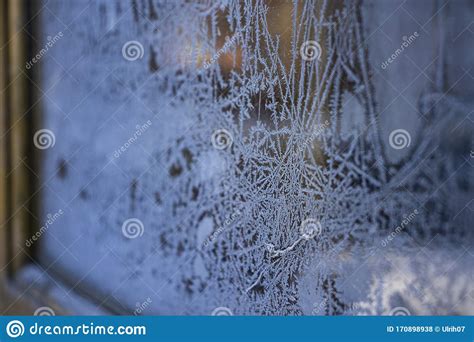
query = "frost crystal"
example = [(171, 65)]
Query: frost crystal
[(263, 188)]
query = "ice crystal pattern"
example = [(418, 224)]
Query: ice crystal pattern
[(282, 159), (271, 106)]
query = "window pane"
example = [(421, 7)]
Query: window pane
[(258, 157)]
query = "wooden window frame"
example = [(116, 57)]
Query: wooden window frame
[(15, 185), (19, 182)]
